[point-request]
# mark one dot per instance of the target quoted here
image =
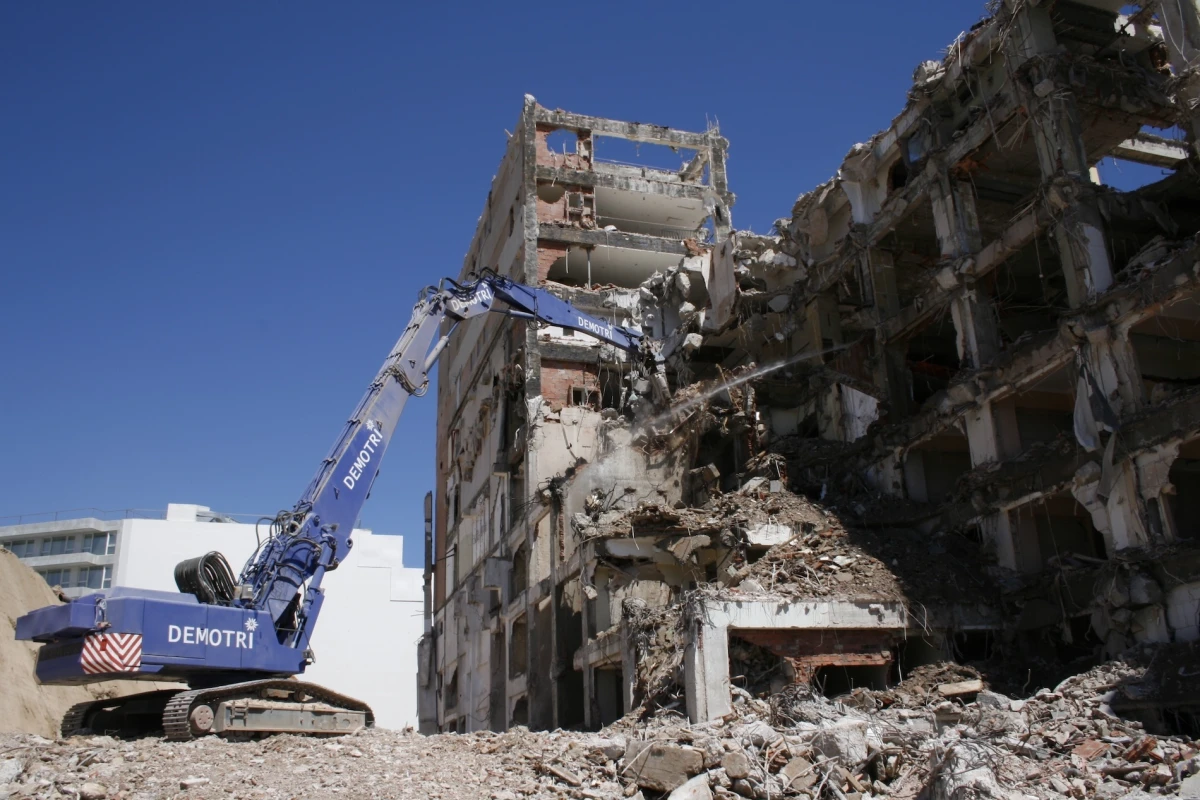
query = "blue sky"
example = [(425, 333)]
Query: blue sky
[(215, 217)]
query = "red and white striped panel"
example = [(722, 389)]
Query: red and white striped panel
[(111, 652)]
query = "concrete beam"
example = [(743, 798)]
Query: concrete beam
[(634, 241), (706, 655), (1153, 150), (694, 168), (633, 131), (643, 183)]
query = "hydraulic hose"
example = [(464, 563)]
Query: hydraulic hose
[(208, 577)]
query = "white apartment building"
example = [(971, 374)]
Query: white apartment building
[(366, 638)]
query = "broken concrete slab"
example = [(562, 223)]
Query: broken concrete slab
[(845, 742), (768, 535), (695, 789), (660, 766), (959, 688), (799, 774), (736, 765)]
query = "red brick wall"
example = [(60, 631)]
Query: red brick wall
[(571, 160), (559, 377), (548, 253)]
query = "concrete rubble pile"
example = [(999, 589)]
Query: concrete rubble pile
[(924, 738)]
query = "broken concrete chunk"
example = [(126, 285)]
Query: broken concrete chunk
[(10, 770), (660, 766), (993, 700), (799, 774), (713, 752), (1044, 87), (1144, 590), (611, 749), (768, 535), (692, 342), (760, 734), (736, 765), (966, 772), (93, 791), (564, 775), (694, 789), (744, 788), (779, 303), (752, 485), (683, 549), (191, 782), (845, 741), (960, 688)]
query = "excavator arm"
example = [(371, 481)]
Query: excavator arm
[(284, 576)]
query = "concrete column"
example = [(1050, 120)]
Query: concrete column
[(914, 476), (1154, 484), (957, 223), (629, 665), (591, 704), (992, 433), (887, 476), (722, 223), (881, 266), (706, 672), (1114, 363), (1114, 504), (1063, 159), (1014, 539), (954, 217), (891, 373), (977, 325), (823, 326)]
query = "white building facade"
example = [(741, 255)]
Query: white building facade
[(366, 638)]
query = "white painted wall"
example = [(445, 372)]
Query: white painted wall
[(366, 637)]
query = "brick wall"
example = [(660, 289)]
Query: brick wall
[(547, 254), (559, 377)]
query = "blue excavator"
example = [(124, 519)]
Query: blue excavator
[(237, 644)]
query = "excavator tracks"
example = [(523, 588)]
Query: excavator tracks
[(255, 707), (130, 715), (266, 706)]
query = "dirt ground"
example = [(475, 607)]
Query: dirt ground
[(24, 704)]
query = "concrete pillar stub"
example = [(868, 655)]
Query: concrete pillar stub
[(1154, 484), (629, 663), (977, 326), (881, 266), (1114, 363), (992, 433), (955, 217), (891, 374), (823, 326), (1014, 538), (706, 672), (1062, 159)]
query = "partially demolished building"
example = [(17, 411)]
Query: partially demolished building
[(949, 405)]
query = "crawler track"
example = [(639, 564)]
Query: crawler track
[(126, 716), (177, 716)]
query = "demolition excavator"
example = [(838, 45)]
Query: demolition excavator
[(238, 643)]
